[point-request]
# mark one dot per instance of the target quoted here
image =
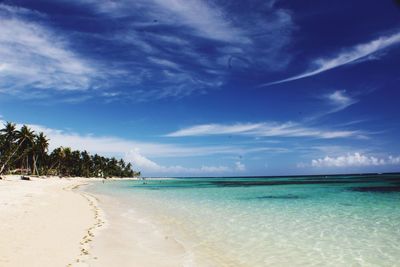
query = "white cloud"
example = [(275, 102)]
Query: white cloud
[(163, 62), (288, 129), (340, 98), (336, 101), (148, 166), (139, 152), (393, 160), (349, 55), (209, 21), (353, 160), (39, 56), (141, 161), (253, 38), (240, 166), (32, 55), (110, 145)]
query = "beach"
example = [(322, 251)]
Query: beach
[(307, 221), (45, 222), (54, 222)]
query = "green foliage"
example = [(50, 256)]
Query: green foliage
[(24, 151)]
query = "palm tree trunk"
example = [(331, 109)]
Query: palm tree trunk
[(58, 163), (8, 159), (27, 164), (35, 169)]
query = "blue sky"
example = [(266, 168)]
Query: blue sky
[(190, 87)]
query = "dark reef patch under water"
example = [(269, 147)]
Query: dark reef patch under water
[(283, 197), (377, 189), (290, 182), (379, 183)]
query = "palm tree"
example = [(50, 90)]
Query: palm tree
[(29, 151), (25, 139), (9, 132), (75, 163), (67, 162), (56, 158), (87, 164), (40, 146), (9, 135)]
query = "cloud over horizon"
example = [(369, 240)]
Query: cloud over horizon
[(147, 165), (138, 152), (354, 160)]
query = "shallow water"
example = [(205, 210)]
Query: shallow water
[(293, 221)]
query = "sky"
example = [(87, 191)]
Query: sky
[(209, 88)]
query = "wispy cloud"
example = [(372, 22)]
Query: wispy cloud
[(347, 56), (35, 57), (287, 129), (208, 20), (334, 101), (353, 160), (167, 49), (204, 19), (164, 62), (208, 40), (337, 100), (340, 99)]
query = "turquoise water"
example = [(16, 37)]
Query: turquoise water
[(293, 221)]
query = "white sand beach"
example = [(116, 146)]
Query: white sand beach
[(52, 222), (131, 239), (44, 222)]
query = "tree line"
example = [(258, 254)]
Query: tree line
[(25, 152)]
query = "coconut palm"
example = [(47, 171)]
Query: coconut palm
[(9, 132), (11, 136), (29, 151), (25, 140), (56, 158), (87, 164), (8, 137), (40, 147)]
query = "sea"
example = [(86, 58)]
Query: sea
[(342, 220)]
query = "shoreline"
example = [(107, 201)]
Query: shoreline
[(47, 222), (131, 239), (139, 234), (50, 222), (99, 222)]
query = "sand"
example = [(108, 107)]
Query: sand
[(131, 239), (55, 222), (45, 222)]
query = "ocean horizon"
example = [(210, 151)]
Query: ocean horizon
[(277, 176)]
